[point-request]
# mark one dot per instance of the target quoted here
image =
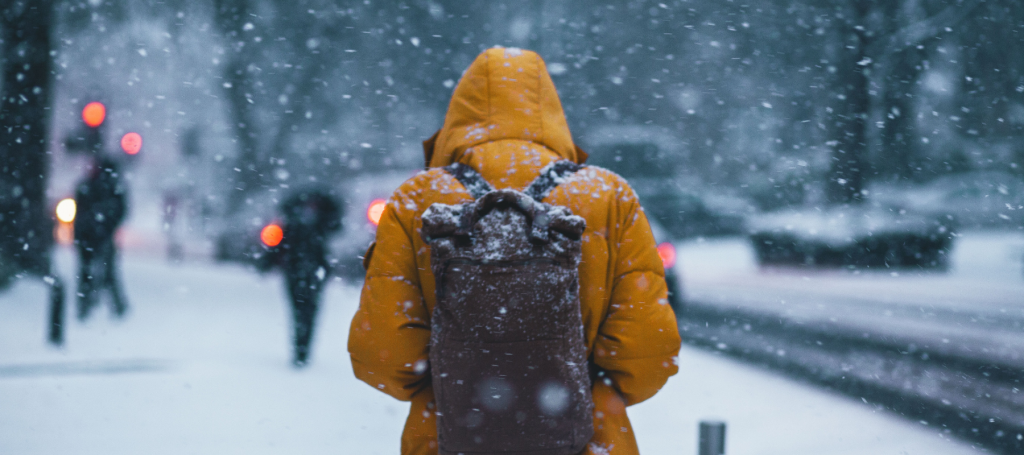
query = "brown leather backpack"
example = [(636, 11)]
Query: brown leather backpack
[(507, 352)]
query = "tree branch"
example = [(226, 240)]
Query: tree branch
[(917, 32)]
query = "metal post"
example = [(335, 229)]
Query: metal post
[(712, 438), (56, 309)]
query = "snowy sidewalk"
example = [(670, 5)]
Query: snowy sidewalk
[(770, 415), (201, 367)]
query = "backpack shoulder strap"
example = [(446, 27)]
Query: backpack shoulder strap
[(550, 177), (470, 179)]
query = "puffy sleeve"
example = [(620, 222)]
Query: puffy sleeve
[(388, 340), (637, 344)]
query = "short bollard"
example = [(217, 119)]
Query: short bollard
[(712, 438)]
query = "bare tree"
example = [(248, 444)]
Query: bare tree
[(240, 72), (24, 125), (869, 52), (25, 224), (280, 55)]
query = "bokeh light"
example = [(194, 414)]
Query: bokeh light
[(131, 143), (94, 114), (667, 253), (271, 235), (66, 210), (376, 210)]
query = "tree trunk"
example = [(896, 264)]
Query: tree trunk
[(899, 149), (25, 224), (846, 177), (250, 175), (252, 171)]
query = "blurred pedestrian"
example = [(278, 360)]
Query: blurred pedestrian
[(310, 218), (513, 336), (175, 249), (101, 204)]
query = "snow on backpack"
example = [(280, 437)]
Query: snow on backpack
[(507, 351)]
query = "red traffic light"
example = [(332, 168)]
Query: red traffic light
[(271, 235), (131, 143), (94, 114)]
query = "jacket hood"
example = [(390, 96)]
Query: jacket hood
[(506, 93)]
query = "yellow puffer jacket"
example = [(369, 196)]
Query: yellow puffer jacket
[(505, 120)]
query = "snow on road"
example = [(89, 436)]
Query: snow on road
[(986, 268), (200, 366), (770, 415), (977, 305)]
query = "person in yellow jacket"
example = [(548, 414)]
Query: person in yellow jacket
[(505, 121)]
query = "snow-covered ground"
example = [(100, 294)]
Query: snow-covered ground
[(977, 306), (978, 259), (200, 366)]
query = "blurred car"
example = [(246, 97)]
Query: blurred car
[(667, 253), (686, 215), (645, 157), (851, 236), (364, 197), (238, 237), (971, 199)]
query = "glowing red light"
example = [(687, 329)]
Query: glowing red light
[(271, 235), (94, 114), (667, 253), (131, 143), (376, 210)]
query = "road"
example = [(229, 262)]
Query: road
[(946, 348)]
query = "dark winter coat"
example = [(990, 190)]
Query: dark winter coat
[(101, 205), (310, 217)]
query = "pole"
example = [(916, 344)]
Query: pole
[(712, 438)]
